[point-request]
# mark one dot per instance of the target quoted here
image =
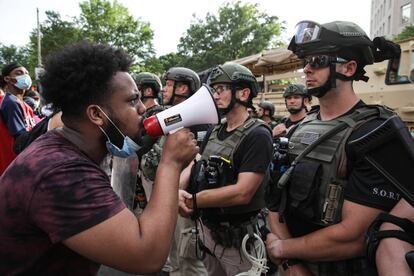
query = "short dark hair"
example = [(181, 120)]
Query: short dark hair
[(80, 74)]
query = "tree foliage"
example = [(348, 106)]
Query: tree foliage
[(55, 34), (237, 31), (9, 54), (109, 22), (163, 63), (407, 32)]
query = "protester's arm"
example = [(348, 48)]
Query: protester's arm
[(127, 243), (336, 242), (13, 116), (390, 256)]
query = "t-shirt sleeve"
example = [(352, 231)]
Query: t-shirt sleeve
[(13, 116), (72, 198), (255, 151), (365, 185)]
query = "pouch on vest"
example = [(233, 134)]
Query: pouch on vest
[(306, 179), (198, 180), (273, 194)]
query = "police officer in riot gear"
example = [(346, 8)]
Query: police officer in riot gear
[(265, 112), (180, 83), (327, 197), (228, 182), (296, 101), (150, 86)]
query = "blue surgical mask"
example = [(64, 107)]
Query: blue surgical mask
[(23, 82), (129, 147)]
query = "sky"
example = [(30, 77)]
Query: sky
[(171, 19)]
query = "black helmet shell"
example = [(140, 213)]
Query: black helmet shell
[(266, 105), (339, 38), (148, 79), (182, 74), (295, 89)]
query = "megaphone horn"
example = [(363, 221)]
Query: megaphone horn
[(199, 109)]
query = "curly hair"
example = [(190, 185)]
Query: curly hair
[(80, 74)]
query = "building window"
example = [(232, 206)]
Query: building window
[(405, 13)]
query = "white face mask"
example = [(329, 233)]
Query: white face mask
[(129, 147), (23, 82)]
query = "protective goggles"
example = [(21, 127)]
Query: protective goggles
[(322, 61), (307, 31)]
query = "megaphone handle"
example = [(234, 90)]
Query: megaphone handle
[(175, 130)]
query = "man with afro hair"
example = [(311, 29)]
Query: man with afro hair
[(57, 208)]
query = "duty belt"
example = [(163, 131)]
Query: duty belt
[(229, 234)]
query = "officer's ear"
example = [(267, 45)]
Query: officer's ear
[(348, 69), (244, 94)]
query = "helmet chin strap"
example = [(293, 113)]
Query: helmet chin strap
[(328, 85), (296, 111), (171, 101), (233, 101)]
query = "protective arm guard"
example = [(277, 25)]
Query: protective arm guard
[(374, 235), (391, 138)]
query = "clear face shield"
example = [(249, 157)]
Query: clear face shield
[(307, 31)]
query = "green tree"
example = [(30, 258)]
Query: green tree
[(161, 64), (12, 53), (239, 30), (109, 22), (55, 34), (406, 33)]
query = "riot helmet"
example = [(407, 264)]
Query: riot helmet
[(266, 105), (146, 79), (297, 89), (239, 77), (327, 44), (184, 75)]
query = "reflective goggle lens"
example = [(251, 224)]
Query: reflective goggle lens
[(307, 31), (322, 61)]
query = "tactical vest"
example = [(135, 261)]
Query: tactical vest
[(154, 110), (226, 148), (316, 188), (150, 160)]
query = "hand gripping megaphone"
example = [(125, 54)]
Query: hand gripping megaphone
[(199, 109)]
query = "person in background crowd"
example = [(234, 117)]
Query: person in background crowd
[(265, 112), (32, 104), (296, 100), (180, 84), (1, 88), (37, 100), (16, 117), (58, 212)]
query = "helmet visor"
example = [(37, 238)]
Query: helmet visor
[(307, 31)]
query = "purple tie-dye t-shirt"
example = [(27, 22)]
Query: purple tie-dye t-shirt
[(51, 192)]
